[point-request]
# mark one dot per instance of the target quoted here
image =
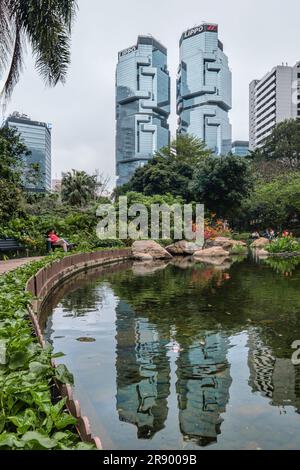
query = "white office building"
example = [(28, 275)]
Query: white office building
[(273, 99)]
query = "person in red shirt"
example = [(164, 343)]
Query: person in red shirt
[(57, 241)]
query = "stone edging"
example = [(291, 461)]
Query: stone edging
[(40, 286)]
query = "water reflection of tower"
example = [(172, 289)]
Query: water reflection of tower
[(143, 372), (273, 377), (203, 387)]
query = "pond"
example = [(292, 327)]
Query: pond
[(183, 356)]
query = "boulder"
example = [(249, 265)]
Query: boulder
[(224, 242), (260, 243), (142, 257), (261, 253), (150, 248), (182, 262), (142, 269), (222, 262), (183, 248), (213, 252)]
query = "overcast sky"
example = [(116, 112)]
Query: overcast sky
[(257, 34)]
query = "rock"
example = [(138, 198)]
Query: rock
[(224, 242), (260, 243), (183, 248), (150, 248), (142, 269), (225, 265), (142, 257), (262, 253), (222, 262), (213, 252), (182, 262)]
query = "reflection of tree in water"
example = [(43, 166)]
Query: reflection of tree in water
[(82, 300), (78, 295), (284, 266)]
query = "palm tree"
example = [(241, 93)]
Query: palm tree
[(46, 26), (78, 188)]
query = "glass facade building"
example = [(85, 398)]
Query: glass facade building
[(240, 148), (142, 105), (204, 88), (37, 138)]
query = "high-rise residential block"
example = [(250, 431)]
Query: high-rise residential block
[(273, 99)]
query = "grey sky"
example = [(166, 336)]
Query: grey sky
[(257, 34)]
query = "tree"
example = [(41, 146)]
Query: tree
[(78, 188), (185, 147), (11, 168), (46, 25), (275, 203), (221, 184), (170, 171), (11, 152), (11, 201), (282, 146)]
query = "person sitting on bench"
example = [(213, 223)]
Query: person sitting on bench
[(55, 240)]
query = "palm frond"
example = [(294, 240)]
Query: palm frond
[(15, 65), (47, 26), (6, 36)]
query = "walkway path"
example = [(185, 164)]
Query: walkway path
[(12, 264)]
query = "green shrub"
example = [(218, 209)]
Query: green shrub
[(238, 250), (28, 417), (243, 236), (284, 245)]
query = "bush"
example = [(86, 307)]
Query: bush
[(29, 419), (275, 203), (11, 200), (284, 245), (243, 236), (238, 250)]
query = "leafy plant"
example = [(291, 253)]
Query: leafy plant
[(238, 250), (28, 417), (284, 245)]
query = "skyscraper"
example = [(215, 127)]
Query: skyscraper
[(204, 88), (273, 99), (37, 138), (142, 105)]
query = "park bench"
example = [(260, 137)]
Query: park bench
[(10, 245), (52, 247)]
